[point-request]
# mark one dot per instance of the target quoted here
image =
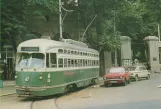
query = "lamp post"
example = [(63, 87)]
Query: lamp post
[(115, 39), (60, 15), (60, 20)]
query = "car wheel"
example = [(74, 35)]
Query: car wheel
[(148, 77), (106, 85), (129, 81), (124, 84), (136, 78)]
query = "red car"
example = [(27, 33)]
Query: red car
[(116, 75)]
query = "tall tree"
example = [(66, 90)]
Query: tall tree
[(13, 20)]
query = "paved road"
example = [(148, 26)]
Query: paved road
[(138, 95), (7, 90)]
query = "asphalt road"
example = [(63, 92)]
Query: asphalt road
[(138, 95), (143, 94)]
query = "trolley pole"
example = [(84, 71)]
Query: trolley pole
[(60, 20), (115, 39)]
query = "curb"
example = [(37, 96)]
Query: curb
[(7, 94), (9, 85)]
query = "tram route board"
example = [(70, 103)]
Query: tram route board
[(29, 48)]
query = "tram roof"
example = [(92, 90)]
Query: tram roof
[(46, 44)]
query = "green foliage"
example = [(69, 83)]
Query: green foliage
[(29, 36), (109, 40), (51, 5), (13, 20)]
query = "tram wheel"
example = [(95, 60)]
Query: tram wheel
[(67, 89), (93, 82), (74, 87)]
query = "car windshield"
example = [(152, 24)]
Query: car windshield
[(131, 68), (116, 70), (33, 60)]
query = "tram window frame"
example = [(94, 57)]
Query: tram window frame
[(65, 51), (69, 62), (60, 62), (80, 62), (53, 63), (97, 63), (94, 62), (75, 63), (68, 51), (72, 63), (65, 62), (88, 62), (47, 60)]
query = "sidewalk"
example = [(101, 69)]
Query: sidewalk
[(8, 88)]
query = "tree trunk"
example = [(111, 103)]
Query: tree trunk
[(102, 63)]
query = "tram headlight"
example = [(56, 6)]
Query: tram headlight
[(40, 77), (15, 77)]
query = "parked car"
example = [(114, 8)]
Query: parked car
[(139, 71), (116, 75)]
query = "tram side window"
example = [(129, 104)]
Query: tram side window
[(65, 62), (65, 51), (60, 62), (75, 62), (92, 62), (60, 50), (47, 60), (72, 63), (95, 63), (88, 62), (53, 60), (80, 62), (69, 63)]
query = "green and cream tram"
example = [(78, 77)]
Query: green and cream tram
[(47, 67)]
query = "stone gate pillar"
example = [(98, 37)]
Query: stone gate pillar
[(126, 54), (153, 52)]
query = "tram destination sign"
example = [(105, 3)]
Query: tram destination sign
[(29, 48)]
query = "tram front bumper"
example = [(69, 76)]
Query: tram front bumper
[(38, 91)]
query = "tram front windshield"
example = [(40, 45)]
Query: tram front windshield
[(32, 60)]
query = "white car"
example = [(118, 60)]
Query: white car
[(138, 72)]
